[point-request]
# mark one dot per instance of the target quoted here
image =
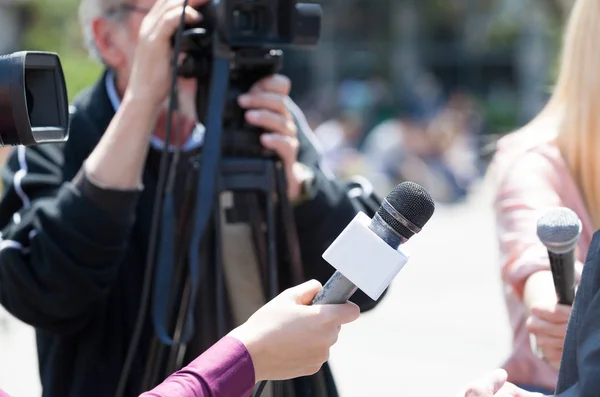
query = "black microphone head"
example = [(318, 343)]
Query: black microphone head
[(411, 208), (559, 230)]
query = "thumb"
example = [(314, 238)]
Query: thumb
[(304, 293), (494, 381), (488, 385)]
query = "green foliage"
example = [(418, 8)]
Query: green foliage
[(503, 34), (80, 72), (500, 117), (53, 26)]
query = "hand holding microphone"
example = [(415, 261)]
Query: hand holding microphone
[(559, 231), (287, 338)]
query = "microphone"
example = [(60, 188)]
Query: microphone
[(559, 231), (366, 254)]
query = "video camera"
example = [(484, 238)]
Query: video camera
[(265, 23), (34, 105), (257, 24), (250, 35)]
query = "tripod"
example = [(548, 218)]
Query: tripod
[(256, 180)]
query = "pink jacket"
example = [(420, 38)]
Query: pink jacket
[(530, 180)]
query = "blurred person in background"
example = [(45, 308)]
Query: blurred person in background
[(458, 125), (80, 214), (341, 135), (551, 162), (393, 151), (433, 147)]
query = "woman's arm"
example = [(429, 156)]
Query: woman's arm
[(226, 369), (527, 191), (285, 339)]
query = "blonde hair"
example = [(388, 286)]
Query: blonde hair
[(576, 103)]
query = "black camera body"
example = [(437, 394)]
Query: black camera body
[(34, 105), (264, 24), (268, 23), (251, 35)]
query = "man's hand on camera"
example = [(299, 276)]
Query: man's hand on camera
[(151, 71), (267, 108)]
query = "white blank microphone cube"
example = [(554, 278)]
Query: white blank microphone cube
[(364, 258)]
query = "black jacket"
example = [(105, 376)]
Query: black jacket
[(73, 268), (579, 374)]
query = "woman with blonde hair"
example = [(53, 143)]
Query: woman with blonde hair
[(551, 162)]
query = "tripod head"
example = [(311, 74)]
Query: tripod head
[(249, 34)]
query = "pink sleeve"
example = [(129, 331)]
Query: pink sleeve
[(527, 190), (3, 394), (224, 370)]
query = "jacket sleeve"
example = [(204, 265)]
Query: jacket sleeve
[(580, 366), (586, 348), (226, 369), (527, 189), (60, 251), (324, 215)]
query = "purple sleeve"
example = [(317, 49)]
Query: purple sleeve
[(3, 394), (226, 370)]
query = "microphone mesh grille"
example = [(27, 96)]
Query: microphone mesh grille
[(559, 230), (413, 202)]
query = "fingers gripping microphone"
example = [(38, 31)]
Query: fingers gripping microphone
[(366, 255), (559, 231)]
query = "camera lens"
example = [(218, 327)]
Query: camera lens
[(249, 21), (245, 21)]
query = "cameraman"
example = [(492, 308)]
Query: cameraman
[(80, 213)]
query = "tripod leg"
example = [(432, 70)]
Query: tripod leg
[(220, 293), (256, 219), (288, 223), (273, 262), (271, 247), (178, 350)]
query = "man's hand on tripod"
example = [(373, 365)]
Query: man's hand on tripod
[(267, 108)]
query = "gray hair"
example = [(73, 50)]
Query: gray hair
[(88, 11)]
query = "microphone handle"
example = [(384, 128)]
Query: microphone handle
[(337, 290), (563, 274)]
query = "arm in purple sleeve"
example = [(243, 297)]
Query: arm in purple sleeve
[(224, 370)]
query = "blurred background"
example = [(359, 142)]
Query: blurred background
[(397, 90)]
